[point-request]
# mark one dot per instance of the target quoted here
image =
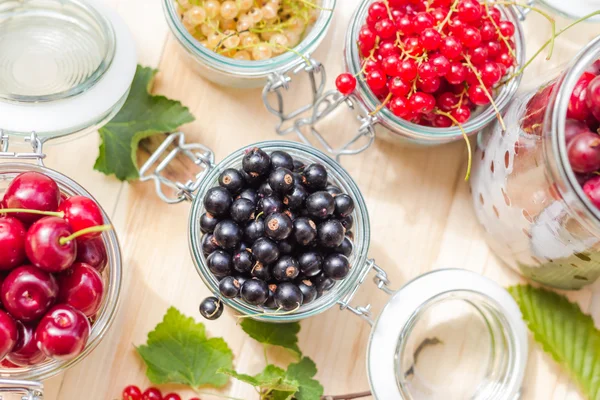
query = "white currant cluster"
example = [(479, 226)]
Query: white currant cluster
[(248, 29)]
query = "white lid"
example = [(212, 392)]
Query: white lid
[(408, 329), (78, 112)]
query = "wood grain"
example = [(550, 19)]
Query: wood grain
[(419, 205)]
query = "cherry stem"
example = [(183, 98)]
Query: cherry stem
[(349, 396), (58, 214), (465, 136), (92, 229)]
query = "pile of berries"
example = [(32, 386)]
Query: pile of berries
[(248, 29), (276, 232), (433, 62), (51, 260), (133, 392)]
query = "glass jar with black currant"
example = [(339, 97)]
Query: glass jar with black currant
[(535, 185)]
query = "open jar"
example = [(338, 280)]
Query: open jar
[(536, 216), (66, 67), (414, 344)]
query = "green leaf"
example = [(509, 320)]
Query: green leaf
[(142, 116), (303, 372), (178, 351), (564, 332), (284, 335), (272, 378)]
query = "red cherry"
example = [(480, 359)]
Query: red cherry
[(398, 87), (376, 80), (573, 128), (172, 396), (592, 97), (43, 246), (152, 394), (33, 191), (592, 189), (578, 108), (451, 48), (63, 333), (470, 10), (584, 152), (27, 292), (421, 103), (8, 334), (478, 95), (399, 107), (93, 252), (26, 352), (345, 84), (132, 393), (12, 243), (82, 288), (81, 213)]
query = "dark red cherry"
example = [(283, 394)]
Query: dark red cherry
[(27, 292), (12, 243), (8, 334), (34, 191), (26, 352), (93, 252), (81, 213), (63, 333), (81, 287), (43, 246)]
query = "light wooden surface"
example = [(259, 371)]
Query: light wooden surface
[(420, 209)]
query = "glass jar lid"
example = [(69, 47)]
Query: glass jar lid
[(450, 334), (65, 66)]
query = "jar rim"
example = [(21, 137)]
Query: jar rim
[(424, 133), (361, 229), (244, 68), (109, 308)]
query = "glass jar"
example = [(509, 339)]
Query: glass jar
[(536, 217), (415, 317), (66, 67)]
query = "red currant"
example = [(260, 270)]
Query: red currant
[(439, 14), (378, 11), (457, 73), (408, 70), (367, 38), (413, 46), (398, 87), (399, 106), (506, 59), (461, 114), (440, 64), (421, 103), (405, 25), (471, 37), (385, 28), (426, 70), (488, 31), (494, 13), (493, 48), (442, 121), (478, 95), (371, 65), (430, 39), (345, 83), (446, 101), (376, 80), (429, 85), (152, 394), (470, 10), (387, 48), (391, 65), (507, 28), (490, 74), (478, 55), (132, 393), (422, 21), (172, 396), (451, 48)]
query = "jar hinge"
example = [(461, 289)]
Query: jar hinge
[(523, 11), (199, 154), (27, 389), (279, 81), (36, 145), (382, 282), (325, 106)]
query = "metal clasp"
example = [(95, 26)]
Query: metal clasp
[(382, 282), (36, 145), (279, 81), (330, 101), (199, 154), (27, 389)]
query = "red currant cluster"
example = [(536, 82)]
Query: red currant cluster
[(432, 62), (51, 260), (133, 392)]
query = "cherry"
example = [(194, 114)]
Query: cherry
[(26, 352), (81, 213), (93, 252), (573, 128), (34, 191), (12, 243), (592, 97), (43, 246), (584, 152), (8, 334), (578, 108), (27, 292), (82, 288), (132, 393), (592, 189), (62, 333), (152, 394), (345, 84)]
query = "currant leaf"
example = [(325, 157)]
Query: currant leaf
[(283, 335)]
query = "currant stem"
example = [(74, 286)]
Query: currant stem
[(504, 39), (92, 229), (349, 396), (380, 106), (466, 137), (58, 214)]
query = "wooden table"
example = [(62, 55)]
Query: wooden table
[(420, 209)]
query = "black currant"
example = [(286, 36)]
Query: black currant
[(229, 287), (295, 198), (228, 234), (347, 222), (219, 263), (208, 222), (297, 179), (345, 248), (285, 269), (254, 230), (241, 247), (242, 211), (278, 226), (298, 166), (281, 159), (243, 261), (251, 180), (291, 215), (249, 194), (232, 180), (311, 263), (344, 205), (269, 205), (336, 266), (333, 190), (265, 250), (288, 296), (265, 190), (305, 231), (320, 205), (261, 272), (255, 292), (241, 279), (350, 235), (281, 180), (315, 177), (330, 233), (209, 243), (256, 162), (211, 308), (286, 246), (309, 291), (323, 284), (270, 303), (217, 201)]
